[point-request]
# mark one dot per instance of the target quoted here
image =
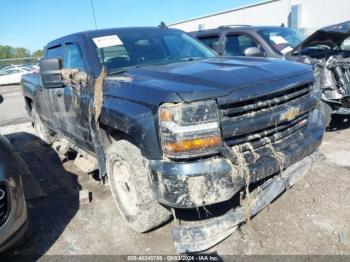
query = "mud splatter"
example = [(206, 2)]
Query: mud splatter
[(98, 95)]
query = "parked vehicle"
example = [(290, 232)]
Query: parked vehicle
[(173, 126), (327, 50), (13, 209), (12, 75)]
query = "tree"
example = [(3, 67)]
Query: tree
[(21, 52), (5, 51), (37, 53)]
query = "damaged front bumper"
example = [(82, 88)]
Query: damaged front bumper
[(214, 180), (194, 238)]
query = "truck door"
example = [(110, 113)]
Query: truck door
[(70, 99), (45, 98)]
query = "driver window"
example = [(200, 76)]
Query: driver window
[(236, 44), (72, 57)]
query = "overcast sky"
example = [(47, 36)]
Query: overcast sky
[(33, 23)]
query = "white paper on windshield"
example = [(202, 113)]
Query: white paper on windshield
[(107, 41), (277, 39), (286, 50)]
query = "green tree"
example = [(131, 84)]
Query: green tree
[(38, 53), (6, 51), (21, 52)]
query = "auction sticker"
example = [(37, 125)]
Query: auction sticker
[(107, 41)]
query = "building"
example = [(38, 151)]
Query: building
[(304, 15)]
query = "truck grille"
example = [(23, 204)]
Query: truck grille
[(274, 120), (4, 206)]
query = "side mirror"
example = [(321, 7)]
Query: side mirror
[(50, 70), (1, 99), (252, 51)]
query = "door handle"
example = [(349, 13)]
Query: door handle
[(59, 93)]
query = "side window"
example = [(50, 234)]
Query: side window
[(54, 52), (72, 57), (236, 44), (210, 41)]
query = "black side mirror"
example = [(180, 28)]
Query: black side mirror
[(50, 70), (1, 99), (252, 51)]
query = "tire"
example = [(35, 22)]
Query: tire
[(128, 177), (42, 131), (326, 112)]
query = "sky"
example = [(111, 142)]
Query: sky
[(33, 23)]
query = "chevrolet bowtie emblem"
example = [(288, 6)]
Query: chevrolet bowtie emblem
[(291, 114)]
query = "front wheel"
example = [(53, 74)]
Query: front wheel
[(128, 176)]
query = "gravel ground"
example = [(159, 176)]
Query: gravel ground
[(310, 218)]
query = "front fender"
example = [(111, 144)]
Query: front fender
[(138, 121)]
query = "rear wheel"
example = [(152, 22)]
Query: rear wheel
[(41, 129), (128, 175)]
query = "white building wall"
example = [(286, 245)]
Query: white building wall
[(314, 15)]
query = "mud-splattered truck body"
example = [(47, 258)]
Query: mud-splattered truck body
[(171, 126)]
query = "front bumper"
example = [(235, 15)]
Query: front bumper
[(336, 105), (214, 180), (198, 237)]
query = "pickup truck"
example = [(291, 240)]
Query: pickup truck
[(326, 49), (172, 127)]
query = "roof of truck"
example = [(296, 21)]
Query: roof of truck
[(101, 32), (232, 28)]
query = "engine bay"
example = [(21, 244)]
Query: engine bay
[(334, 71)]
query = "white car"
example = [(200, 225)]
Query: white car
[(13, 75)]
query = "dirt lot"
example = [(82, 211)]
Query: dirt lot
[(310, 218)]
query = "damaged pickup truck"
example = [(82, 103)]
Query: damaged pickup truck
[(327, 50), (172, 127)]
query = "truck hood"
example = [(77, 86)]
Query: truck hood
[(330, 36), (195, 80)]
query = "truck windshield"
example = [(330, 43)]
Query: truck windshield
[(283, 40), (123, 50)]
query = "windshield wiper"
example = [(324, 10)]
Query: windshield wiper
[(118, 71), (192, 58)]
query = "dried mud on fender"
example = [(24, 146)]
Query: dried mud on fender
[(95, 109), (98, 96)]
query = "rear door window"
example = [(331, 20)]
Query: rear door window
[(54, 52), (237, 44)]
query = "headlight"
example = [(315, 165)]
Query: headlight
[(189, 130)]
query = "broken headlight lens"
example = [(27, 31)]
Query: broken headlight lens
[(189, 130)]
